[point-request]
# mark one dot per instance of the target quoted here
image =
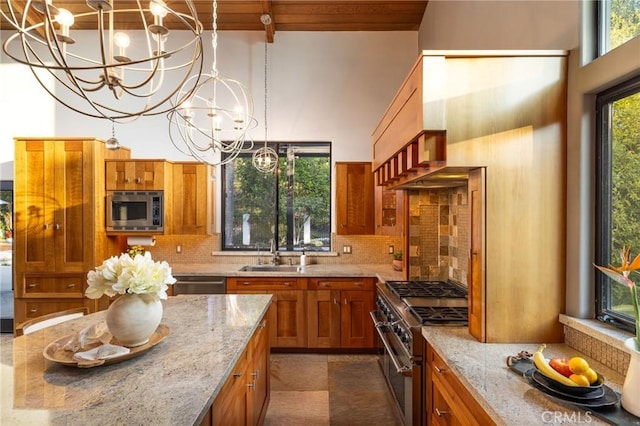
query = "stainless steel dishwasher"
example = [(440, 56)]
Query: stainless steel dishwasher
[(199, 284)]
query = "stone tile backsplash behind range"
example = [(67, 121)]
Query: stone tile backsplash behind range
[(438, 234)]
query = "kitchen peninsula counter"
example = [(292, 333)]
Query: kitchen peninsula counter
[(504, 395), (173, 383)]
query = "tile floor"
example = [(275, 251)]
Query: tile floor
[(311, 389)]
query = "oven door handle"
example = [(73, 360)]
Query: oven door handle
[(405, 370)]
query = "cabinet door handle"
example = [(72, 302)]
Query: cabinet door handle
[(255, 374), (345, 300), (439, 370), (45, 226), (237, 374), (252, 385), (335, 301), (441, 413), (127, 180), (138, 180), (263, 324), (57, 226)]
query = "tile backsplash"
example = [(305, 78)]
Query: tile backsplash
[(365, 249), (439, 234)]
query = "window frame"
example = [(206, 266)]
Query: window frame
[(277, 146), (603, 203)]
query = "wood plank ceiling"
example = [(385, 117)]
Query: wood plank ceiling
[(287, 15)]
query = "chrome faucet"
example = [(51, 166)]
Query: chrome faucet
[(259, 254), (274, 254)]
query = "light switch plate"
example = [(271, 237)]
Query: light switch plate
[(346, 249), (391, 249)]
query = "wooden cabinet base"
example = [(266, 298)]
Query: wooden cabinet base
[(448, 402), (244, 397)]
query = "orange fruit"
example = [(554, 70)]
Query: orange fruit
[(579, 379), (578, 365), (591, 375)]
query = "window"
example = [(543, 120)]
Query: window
[(290, 208), (618, 22), (617, 194)]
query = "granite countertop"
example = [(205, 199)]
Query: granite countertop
[(506, 396), (383, 271), (173, 383)]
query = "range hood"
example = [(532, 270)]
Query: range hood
[(445, 177)]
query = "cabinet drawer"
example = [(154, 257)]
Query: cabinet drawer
[(266, 283), (341, 283), (31, 308), (462, 404), (71, 286)]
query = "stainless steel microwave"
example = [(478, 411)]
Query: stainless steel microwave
[(135, 211)]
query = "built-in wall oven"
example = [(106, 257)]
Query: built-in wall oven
[(402, 308)]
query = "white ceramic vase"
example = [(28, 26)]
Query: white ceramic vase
[(132, 318), (630, 400)]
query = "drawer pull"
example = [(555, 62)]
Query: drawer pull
[(33, 310), (32, 285), (237, 374), (72, 285), (262, 324), (441, 413), (439, 370), (287, 283)]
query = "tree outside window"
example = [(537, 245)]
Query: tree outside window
[(288, 209)]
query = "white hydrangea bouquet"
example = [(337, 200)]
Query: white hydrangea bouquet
[(130, 274)]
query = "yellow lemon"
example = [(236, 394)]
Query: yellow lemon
[(579, 379), (578, 365), (591, 375)]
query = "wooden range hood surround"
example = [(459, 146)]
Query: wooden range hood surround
[(410, 139)]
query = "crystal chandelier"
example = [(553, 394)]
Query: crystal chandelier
[(212, 124), (265, 159), (109, 74)]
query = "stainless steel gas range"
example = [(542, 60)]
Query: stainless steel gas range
[(402, 308)]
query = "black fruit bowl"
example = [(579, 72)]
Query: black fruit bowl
[(571, 390)]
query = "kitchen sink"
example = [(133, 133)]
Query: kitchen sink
[(271, 268)]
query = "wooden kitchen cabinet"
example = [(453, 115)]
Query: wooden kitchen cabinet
[(59, 222), (354, 199), (244, 397), (138, 175), (448, 402), (390, 211), (338, 312), (288, 308), (193, 198)]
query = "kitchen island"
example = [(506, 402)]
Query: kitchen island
[(175, 382)]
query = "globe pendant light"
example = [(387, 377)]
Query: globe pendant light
[(212, 124), (109, 74), (265, 159)]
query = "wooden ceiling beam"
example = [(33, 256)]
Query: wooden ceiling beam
[(271, 27)]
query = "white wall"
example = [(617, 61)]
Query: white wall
[(502, 24), (323, 86)]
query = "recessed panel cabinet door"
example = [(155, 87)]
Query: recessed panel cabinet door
[(357, 327), (34, 206), (287, 319), (354, 199), (477, 291), (323, 318)]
